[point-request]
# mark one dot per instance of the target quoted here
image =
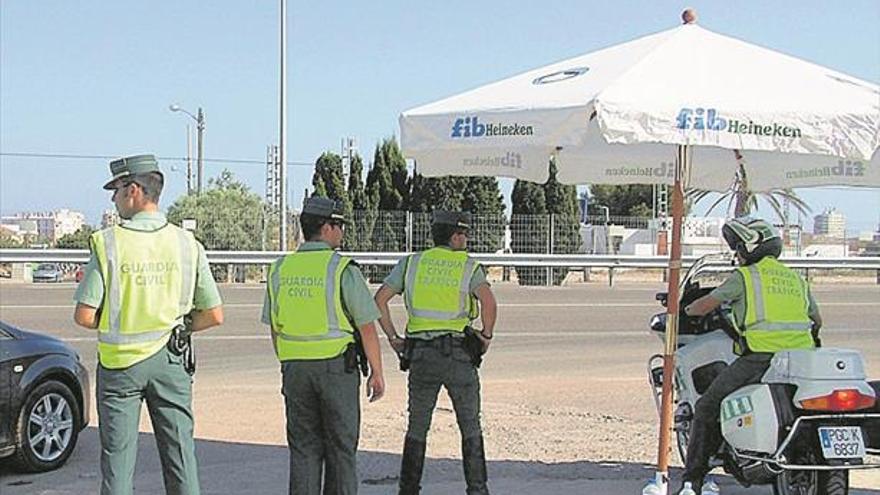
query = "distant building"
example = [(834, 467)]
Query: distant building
[(109, 218), (12, 232), (68, 222), (830, 223), (49, 225)]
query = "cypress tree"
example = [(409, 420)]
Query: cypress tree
[(482, 197), (423, 191), (561, 202), (626, 200), (328, 178), (528, 228), (396, 164), (387, 187), (356, 235)]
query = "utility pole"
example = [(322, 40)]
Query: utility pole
[(200, 139), (189, 161), (273, 187), (347, 151), (273, 182)]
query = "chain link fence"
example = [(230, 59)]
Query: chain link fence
[(404, 231)]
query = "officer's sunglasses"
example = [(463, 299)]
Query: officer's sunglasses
[(123, 183)]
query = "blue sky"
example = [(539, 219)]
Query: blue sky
[(96, 78)]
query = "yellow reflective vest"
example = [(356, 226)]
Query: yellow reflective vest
[(437, 290), (149, 282), (305, 296), (777, 307)]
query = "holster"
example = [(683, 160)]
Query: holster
[(473, 346), (180, 344), (405, 356), (356, 357), (350, 357)]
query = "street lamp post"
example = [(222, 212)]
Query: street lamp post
[(200, 141), (282, 125)]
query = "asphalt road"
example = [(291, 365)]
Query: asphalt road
[(580, 349)]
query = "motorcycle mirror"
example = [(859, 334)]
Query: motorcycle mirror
[(662, 297)]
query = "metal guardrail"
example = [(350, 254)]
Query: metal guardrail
[(543, 260)]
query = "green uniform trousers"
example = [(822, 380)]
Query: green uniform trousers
[(323, 425), (442, 362), (161, 381)]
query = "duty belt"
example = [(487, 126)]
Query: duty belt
[(444, 343)]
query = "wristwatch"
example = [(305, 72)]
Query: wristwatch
[(487, 337)]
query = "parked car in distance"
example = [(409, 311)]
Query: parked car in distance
[(44, 399), (48, 272)]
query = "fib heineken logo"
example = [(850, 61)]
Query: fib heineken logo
[(708, 119), (471, 127), (844, 168)]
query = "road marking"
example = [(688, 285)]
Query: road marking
[(507, 335), (501, 305), (504, 336)]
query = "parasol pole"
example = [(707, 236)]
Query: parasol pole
[(682, 165)]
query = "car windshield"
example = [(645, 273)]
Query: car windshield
[(47, 266)]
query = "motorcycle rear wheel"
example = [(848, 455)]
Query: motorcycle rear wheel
[(811, 482)]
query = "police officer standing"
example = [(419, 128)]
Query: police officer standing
[(773, 310), (441, 287), (316, 301), (142, 278)]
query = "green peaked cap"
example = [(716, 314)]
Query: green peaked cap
[(323, 208), (454, 218), (131, 166)]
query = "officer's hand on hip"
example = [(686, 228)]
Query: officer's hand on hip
[(397, 343), (375, 386), (486, 340)]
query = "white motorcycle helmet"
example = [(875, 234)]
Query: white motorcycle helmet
[(752, 239)]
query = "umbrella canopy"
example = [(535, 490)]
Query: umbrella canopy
[(608, 114), (609, 117)]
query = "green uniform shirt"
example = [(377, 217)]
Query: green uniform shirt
[(395, 282), (91, 289), (356, 298), (733, 290)]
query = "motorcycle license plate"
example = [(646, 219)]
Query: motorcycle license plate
[(842, 442)]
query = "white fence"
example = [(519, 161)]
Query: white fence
[(510, 260)]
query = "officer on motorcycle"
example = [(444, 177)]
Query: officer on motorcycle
[(772, 310)]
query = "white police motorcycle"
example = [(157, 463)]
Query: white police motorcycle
[(813, 418)]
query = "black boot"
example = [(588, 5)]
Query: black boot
[(411, 466), (473, 458)]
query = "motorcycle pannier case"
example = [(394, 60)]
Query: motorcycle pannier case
[(749, 420)]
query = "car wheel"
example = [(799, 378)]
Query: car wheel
[(47, 428)]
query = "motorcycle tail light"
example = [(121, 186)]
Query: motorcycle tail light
[(839, 400)]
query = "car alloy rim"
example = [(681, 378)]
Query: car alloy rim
[(50, 427)]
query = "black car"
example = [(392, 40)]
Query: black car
[(44, 399)]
